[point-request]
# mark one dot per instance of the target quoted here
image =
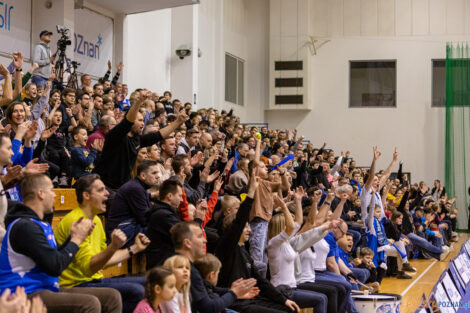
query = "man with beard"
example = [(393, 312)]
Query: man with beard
[(123, 142)]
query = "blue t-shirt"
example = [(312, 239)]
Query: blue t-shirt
[(344, 256), (330, 239)]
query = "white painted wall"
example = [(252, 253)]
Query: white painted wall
[(410, 31), (147, 50)]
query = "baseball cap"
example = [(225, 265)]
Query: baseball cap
[(44, 32)]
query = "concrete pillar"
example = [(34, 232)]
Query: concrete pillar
[(184, 35)]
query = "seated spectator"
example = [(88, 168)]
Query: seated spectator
[(189, 241), (161, 288), (239, 180), (189, 143), (94, 254), (105, 124), (162, 217), (82, 160), (365, 261), (36, 263), (181, 268), (56, 152), (131, 205), (345, 245), (237, 262)]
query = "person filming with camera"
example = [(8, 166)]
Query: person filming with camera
[(43, 57)]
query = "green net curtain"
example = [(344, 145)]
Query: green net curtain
[(457, 147)]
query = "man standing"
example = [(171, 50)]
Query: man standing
[(43, 57)]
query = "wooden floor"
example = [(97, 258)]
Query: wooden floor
[(411, 290)]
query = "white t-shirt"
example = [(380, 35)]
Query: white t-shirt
[(175, 304), (366, 197), (322, 248), (281, 257), (307, 262)]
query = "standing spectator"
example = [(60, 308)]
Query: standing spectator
[(43, 57), (121, 145)]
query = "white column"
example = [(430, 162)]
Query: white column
[(184, 35)]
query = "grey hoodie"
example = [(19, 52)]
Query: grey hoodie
[(42, 54)]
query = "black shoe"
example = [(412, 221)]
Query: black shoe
[(403, 275), (408, 268)]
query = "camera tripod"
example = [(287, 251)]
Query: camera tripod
[(64, 65)]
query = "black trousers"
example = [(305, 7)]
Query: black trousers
[(259, 305), (329, 290)]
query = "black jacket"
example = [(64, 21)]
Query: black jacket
[(27, 238), (161, 218), (237, 262), (120, 152), (131, 201)]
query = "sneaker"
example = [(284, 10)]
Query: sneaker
[(63, 181), (403, 275), (408, 268), (445, 252), (55, 182)]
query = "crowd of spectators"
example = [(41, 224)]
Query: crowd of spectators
[(229, 217)]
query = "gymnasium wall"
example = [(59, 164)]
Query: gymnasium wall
[(412, 32)]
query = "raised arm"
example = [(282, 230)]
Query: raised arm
[(321, 217), (290, 226), (298, 195), (339, 208), (165, 132), (387, 172), (370, 178), (7, 88)]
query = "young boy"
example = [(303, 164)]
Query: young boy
[(81, 159), (365, 261), (209, 268)]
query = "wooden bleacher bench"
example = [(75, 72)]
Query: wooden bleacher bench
[(65, 201)]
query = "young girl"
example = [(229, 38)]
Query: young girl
[(160, 287), (181, 268)]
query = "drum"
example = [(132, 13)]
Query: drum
[(377, 303)]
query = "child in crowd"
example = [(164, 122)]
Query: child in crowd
[(82, 160), (365, 261), (209, 266), (181, 268), (160, 287)]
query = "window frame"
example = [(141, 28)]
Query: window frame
[(432, 83), (373, 106), (237, 79)]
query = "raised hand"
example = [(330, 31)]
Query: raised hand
[(299, 193), (118, 238), (377, 153), (98, 144), (4, 71), (47, 133), (395, 155), (31, 131), (35, 168), (212, 177), (17, 60), (218, 184), (141, 243), (119, 67), (182, 117), (110, 67), (81, 229)]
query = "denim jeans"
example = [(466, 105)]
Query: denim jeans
[(39, 80), (330, 291), (258, 244), (434, 248), (132, 289), (362, 274), (340, 280), (310, 299)]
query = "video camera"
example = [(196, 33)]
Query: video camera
[(64, 39)]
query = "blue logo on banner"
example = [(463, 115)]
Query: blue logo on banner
[(87, 48), (5, 15)]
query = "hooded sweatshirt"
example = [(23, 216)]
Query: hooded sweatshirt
[(29, 256)]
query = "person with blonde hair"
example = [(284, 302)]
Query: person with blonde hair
[(181, 268)]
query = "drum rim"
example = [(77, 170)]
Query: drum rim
[(363, 298)]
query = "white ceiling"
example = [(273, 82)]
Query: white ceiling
[(138, 6)]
